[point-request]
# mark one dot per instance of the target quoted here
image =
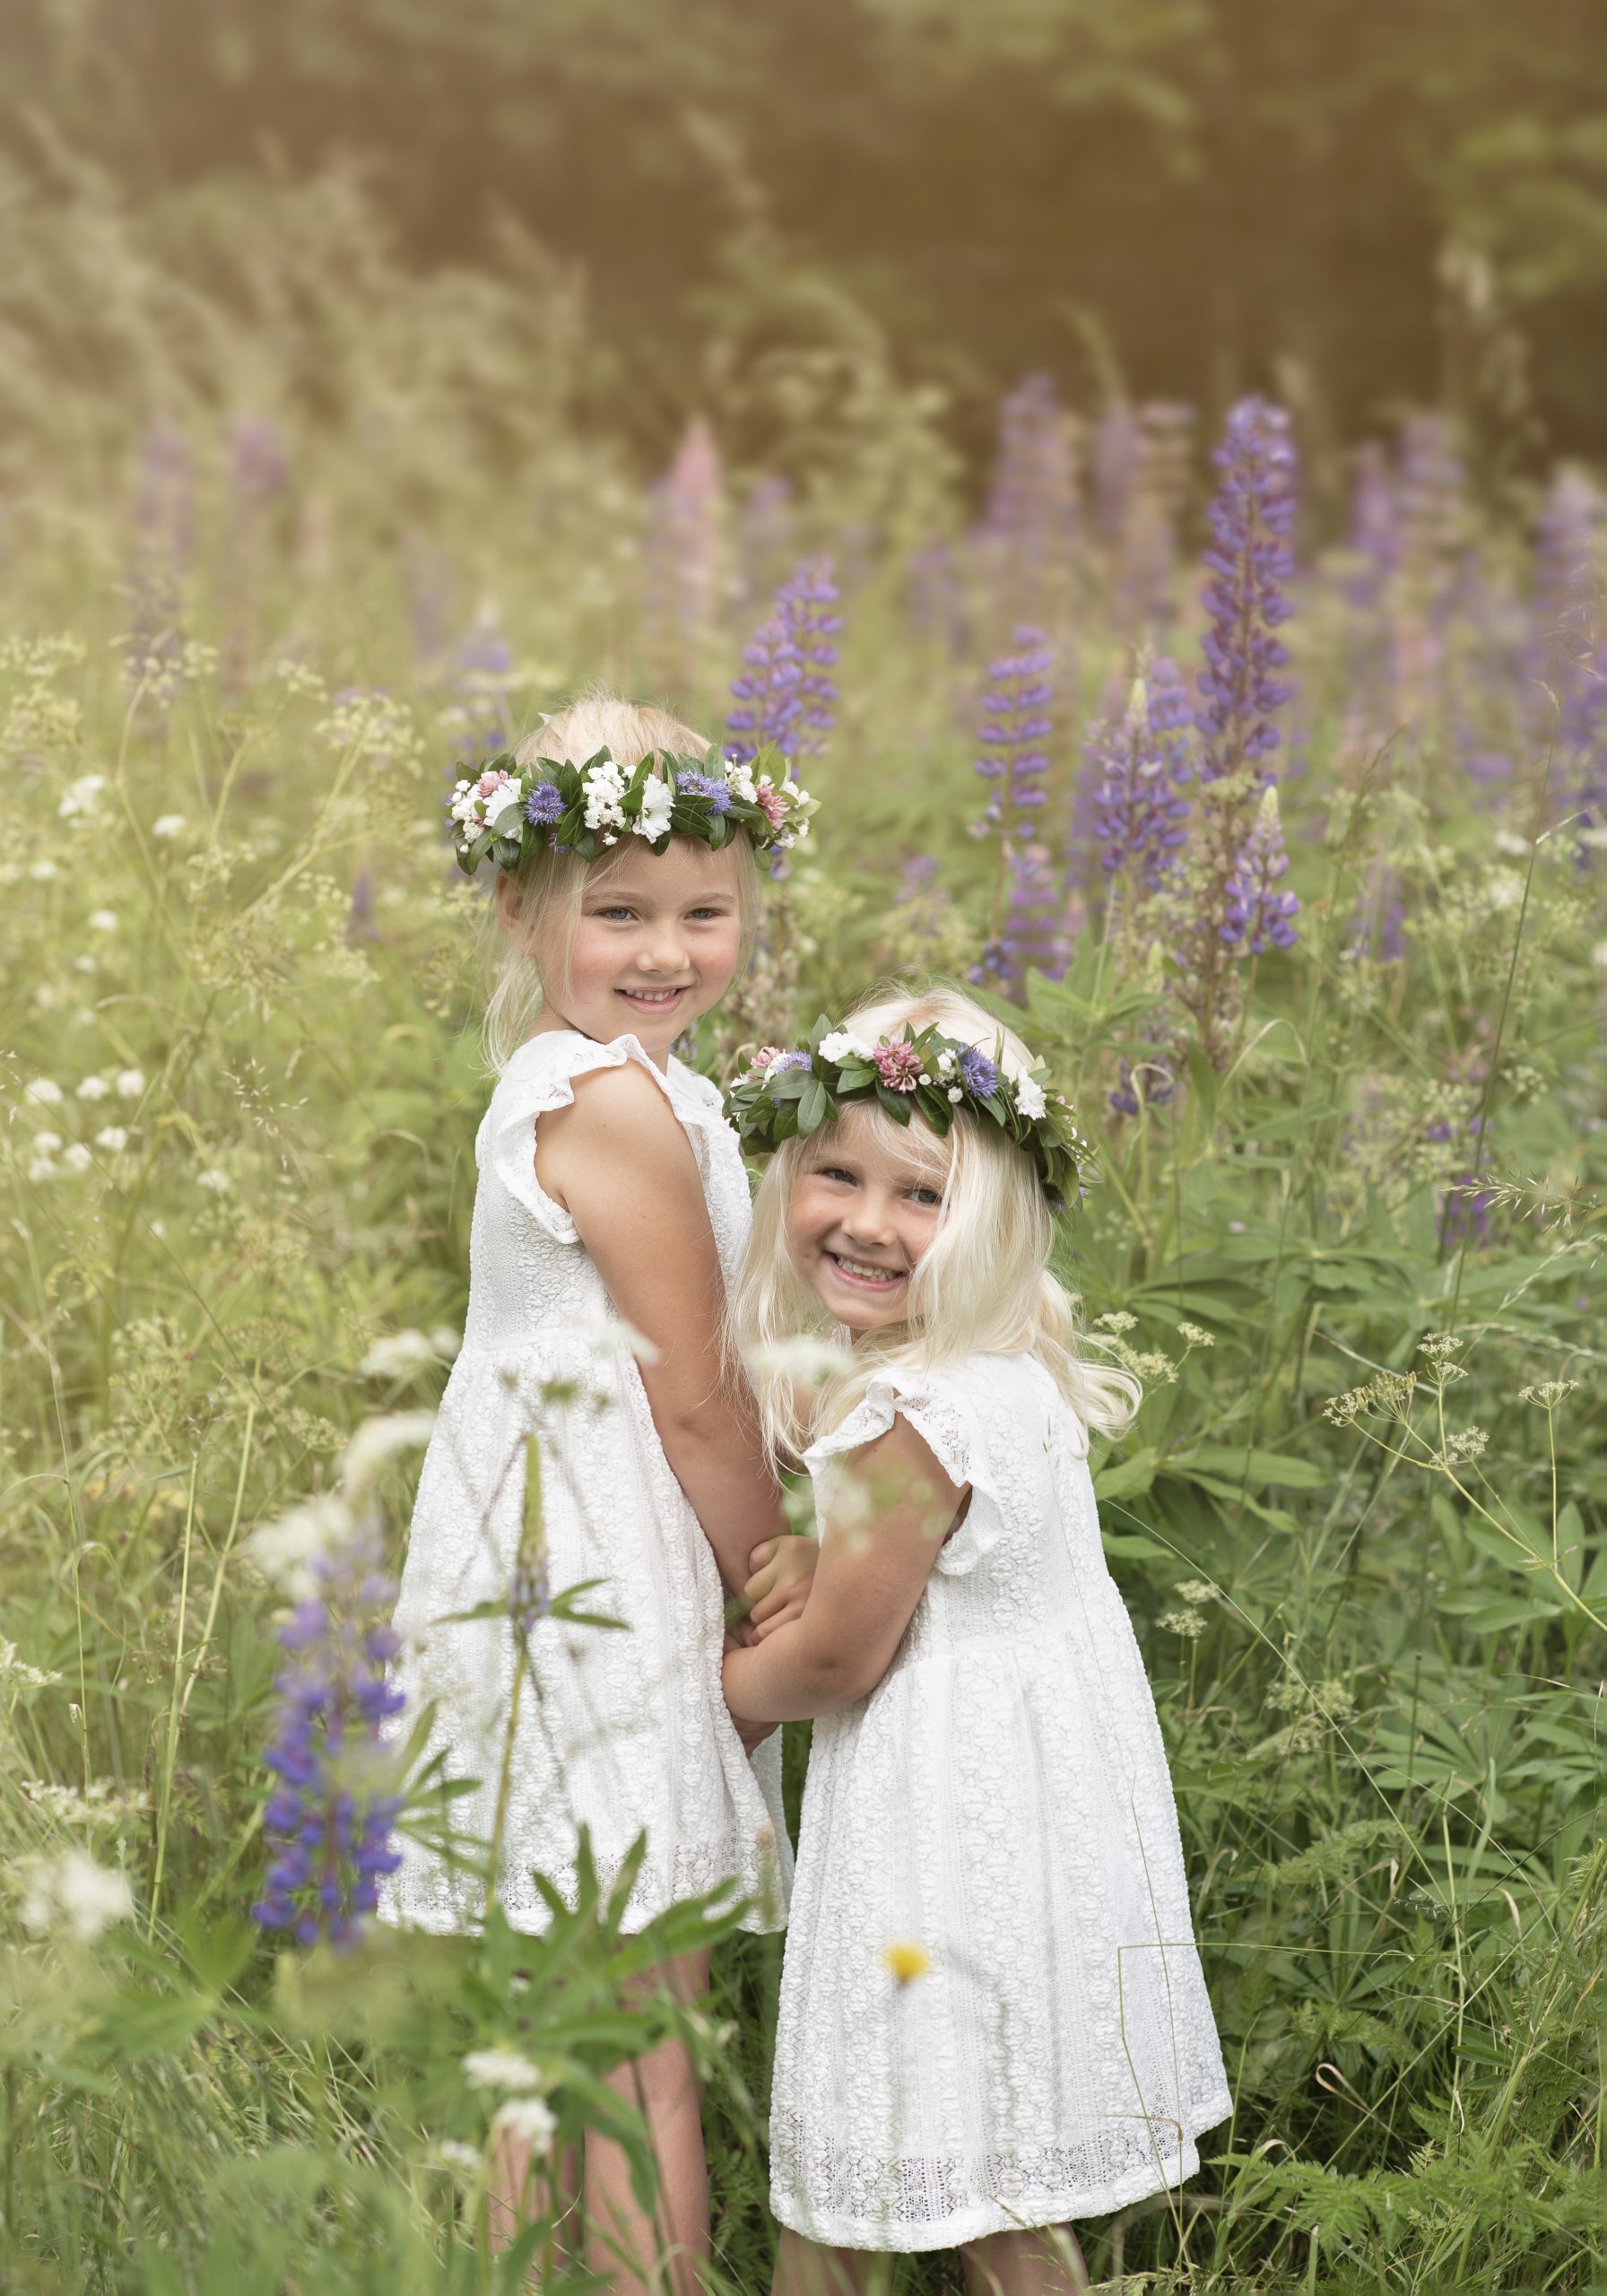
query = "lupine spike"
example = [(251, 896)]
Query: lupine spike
[(1142, 761), (784, 693), (1250, 560), (1256, 916)]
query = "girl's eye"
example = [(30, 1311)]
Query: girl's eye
[(718, 914), (614, 914), (835, 1172), (925, 1195)]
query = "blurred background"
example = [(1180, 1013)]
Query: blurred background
[(663, 205)]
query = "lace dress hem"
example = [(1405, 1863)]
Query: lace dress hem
[(888, 2234)]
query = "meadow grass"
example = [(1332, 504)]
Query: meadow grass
[(241, 1087)]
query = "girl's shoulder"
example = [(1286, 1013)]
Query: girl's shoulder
[(540, 1077)]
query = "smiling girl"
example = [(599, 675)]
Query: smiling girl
[(992, 2017), (612, 1209)]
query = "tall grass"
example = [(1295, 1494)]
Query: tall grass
[(1376, 1631)]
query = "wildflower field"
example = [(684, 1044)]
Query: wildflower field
[(1266, 789)]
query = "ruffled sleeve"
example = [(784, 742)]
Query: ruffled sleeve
[(541, 1076), (946, 1419)]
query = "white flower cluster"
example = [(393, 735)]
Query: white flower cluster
[(842, 1045), (72, 1892), (81, 800), (399, 1353), (13, 1669), (605, 787), (103, 1802), (527, 2118)]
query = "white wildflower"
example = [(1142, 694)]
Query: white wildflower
[(41, 1169), (377, 1441), (103, 920), (529, 2120), (1116, 1319), (1195, 1335), (1508, 841), (500, 2068), (1598, 956), (81, 799), (46, 1144), (453, 2153), (446, 1342), (43, 872), (214, 1182), (168, 826), (77, 1158), (282, 1551), (73, 1892), (113, 1138), (1467, 1444), (843, 1045), (13, 1669), (44, 1092), (810, 1361), (398, 1353), (602, 1331), (657, 800), (1197, 1590), (1503, 889), (1190, 1624), (86, 963), (103, 1802), (130, 1084), (93, 1087)]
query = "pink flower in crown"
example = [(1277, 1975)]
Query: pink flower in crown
[(490, 783), (898, 1065), (763, 1058), (772, 803)]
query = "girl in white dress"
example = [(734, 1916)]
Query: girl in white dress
[(992, 2017), (612, 1208)]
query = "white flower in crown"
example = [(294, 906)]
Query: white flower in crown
[(841, 1046), (657, 800), (739, 780), (604, 788), (1029, 1098)]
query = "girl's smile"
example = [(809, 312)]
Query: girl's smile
[(862, 1214)]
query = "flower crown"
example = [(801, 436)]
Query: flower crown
[(783, 1095), (508, 810)]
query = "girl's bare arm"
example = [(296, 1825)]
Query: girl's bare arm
[(619, 1163), (893, 1508)]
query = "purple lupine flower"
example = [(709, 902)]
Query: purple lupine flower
[(544, 805), (1255, 912), (1152, 1083), (1030, 528), (1142, 761), (1565, 658), (704, 784), (786, 694), (1431, 513), (330, 1818), (1033, 933), (1252, 520), (1376, 927), (1465, 1206), (162, 540), (1015, 725), (360, 910), (766, 692), (1115, 461)]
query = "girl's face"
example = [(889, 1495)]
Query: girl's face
[(657, 944), (863, 1212)]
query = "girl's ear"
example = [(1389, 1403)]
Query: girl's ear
[(506, 906)]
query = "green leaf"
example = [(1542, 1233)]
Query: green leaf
[(815, 1107), (1126, 1478), (897, 1104)]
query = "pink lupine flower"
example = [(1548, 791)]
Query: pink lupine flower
[(898, 1065)]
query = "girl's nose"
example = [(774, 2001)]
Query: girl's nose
[(868, 1217), (663, 950)]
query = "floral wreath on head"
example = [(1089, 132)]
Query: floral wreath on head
[(510, 810), (785, 1095)]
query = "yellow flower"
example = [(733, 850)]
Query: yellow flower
[(907, 1962)]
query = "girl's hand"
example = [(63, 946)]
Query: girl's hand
[(751, 1734), (783, 1573)]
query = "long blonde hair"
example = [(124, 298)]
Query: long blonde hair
[(983, 1285), (543, 894)]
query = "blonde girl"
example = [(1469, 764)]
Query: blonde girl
[(992, 2018), (612, 1209)]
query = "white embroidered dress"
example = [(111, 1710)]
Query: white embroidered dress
[(1002, 1800), (631, 1730)]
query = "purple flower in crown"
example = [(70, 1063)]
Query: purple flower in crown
[(1256, 914), (1250, 560), (978, 1074), (1142, 761), (704, 784), (786, 1060), (330, 1818), (544, 805)]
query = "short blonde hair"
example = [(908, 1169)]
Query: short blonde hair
[(541, 897), (983, 1286)]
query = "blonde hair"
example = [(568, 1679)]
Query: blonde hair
[(543, 893), (983, 1285)]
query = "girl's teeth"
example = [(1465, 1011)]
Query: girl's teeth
[(874, 1274)]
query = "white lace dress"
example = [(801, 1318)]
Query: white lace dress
[(629, 1730), (1002, 1800)]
